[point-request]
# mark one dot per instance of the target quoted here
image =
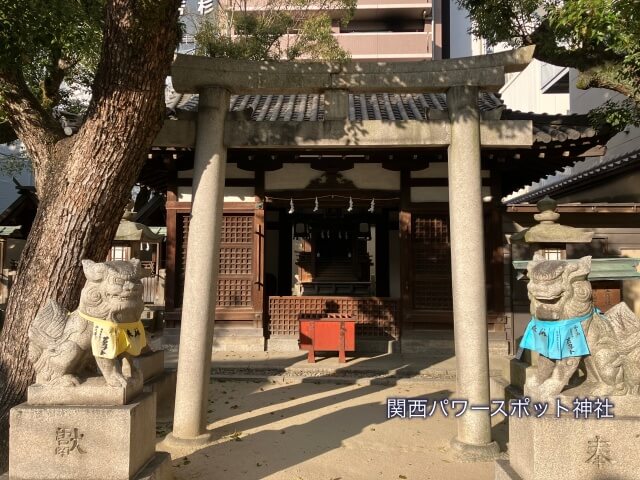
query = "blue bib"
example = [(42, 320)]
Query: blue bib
[(557, 339)]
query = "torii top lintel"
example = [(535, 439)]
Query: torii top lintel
[(192, 73)]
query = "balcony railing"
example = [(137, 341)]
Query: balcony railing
[(381, 46), (257, 5), (386, 45)]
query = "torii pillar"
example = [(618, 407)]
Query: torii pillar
[(201, 281), (461, 78), (468, 275)]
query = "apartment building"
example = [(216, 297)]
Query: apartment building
[(380, 30)]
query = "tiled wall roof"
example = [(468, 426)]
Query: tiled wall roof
[(392, 107), (579, 171)]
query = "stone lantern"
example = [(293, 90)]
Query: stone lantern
[(548, 237)]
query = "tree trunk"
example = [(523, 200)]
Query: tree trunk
[(88, 180)]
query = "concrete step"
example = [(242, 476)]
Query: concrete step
[(225, 338), (442, 342), (364, 345), (518, 371), (438, 370)]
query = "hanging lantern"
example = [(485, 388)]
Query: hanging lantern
[(291, 208), (350, 209), (317, 206), (373, 205)]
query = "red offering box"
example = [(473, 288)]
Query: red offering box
[(335, 332)]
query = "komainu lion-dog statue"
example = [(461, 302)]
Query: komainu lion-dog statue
[(566, 330), (106, 326)]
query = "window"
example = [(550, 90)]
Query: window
[(119, 252), (554, 253)]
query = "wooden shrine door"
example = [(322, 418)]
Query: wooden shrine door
[(606, 294), (241, 272), (430, 270)]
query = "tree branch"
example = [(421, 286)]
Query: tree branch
[(32, 124), (585, 58), (50, 85)]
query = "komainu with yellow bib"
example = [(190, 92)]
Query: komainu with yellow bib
[(106, 326)]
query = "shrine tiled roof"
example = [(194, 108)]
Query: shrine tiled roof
[(390, 107), (310, 107)]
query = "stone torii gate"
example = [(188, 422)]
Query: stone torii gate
[(214, 130)]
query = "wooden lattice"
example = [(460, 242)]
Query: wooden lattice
[(237, 229), (236, 253), (182, 232), (374, 316), (234, 292), (431, 263), (236, 259)]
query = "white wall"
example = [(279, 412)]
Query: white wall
[(460, 43), (524, 92), (363, 175)]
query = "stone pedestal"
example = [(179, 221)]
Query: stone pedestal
[(164, 387), (159, 381), (150, 363), (88, 442), (569, 448), (93, 391)]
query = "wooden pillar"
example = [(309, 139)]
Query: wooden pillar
[(382, 255), (497, 243), (258, 291), (172, 198), (406, 298)]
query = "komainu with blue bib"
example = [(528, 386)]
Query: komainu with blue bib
[(567, 331)]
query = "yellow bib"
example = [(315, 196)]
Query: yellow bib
[(110, 339)]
